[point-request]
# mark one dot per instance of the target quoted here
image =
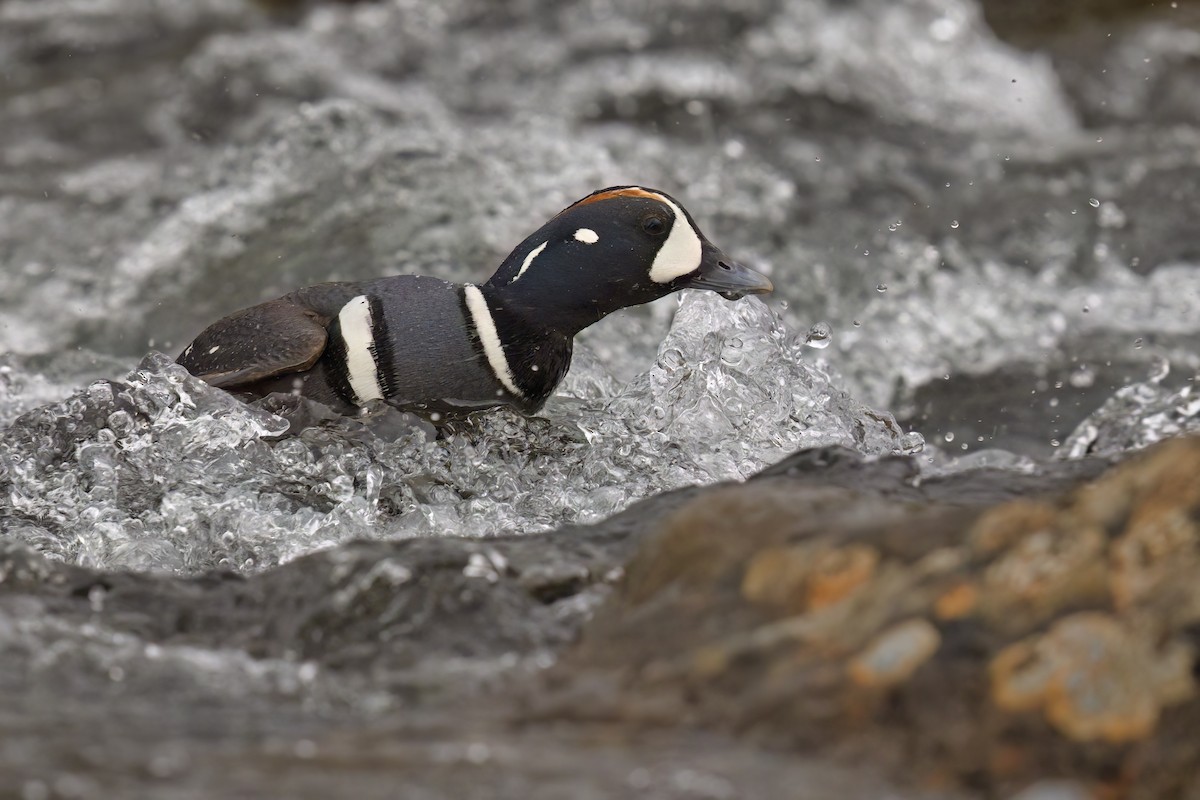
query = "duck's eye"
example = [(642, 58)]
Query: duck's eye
[(654, 226)]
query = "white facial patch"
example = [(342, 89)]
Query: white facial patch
[(358, 332), (680, 253), (534, 253), (485, 326), (587, 236)]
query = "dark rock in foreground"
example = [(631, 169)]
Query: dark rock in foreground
[(834, 623), (948, 647)]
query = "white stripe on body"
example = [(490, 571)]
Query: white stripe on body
[(358, 332), (481, 318)]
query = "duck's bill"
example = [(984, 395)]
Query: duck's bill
[(726, 277)]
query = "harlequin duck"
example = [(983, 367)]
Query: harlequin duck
[(424, 344)]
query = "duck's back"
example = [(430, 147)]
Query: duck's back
[(404, 339)]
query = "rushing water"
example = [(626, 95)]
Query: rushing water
[(159, 471), (995, 246)]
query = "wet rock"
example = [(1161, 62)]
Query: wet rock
[(1037, 639)]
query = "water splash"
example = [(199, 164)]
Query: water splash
[(160, 471), (1136, 416)]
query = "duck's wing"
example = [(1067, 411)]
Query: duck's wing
[(264, 341)]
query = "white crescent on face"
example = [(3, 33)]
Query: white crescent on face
[(680, 253)]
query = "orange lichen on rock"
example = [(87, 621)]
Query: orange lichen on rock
[(807, 577), (1091, 676), (1005, 525), (1159, 546), (1046, 570), (959, 601), (776, 577), (838, 573), (893, 656)]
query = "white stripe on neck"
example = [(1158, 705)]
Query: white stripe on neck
[(485, 326), (534, 253), (358, 333)]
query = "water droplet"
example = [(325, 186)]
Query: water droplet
[(943, 29), (1159, 370), (819, 336), (881, 288), (954, 223), (305, 749), (1082, 378), (1094, 203), (949, 437)]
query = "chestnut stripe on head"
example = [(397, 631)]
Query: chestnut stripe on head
[(621, 191)]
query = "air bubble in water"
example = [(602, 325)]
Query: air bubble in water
[(1094, 203), (881, 288), (954, 223)]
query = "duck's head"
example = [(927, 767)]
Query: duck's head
[(617, 247)]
